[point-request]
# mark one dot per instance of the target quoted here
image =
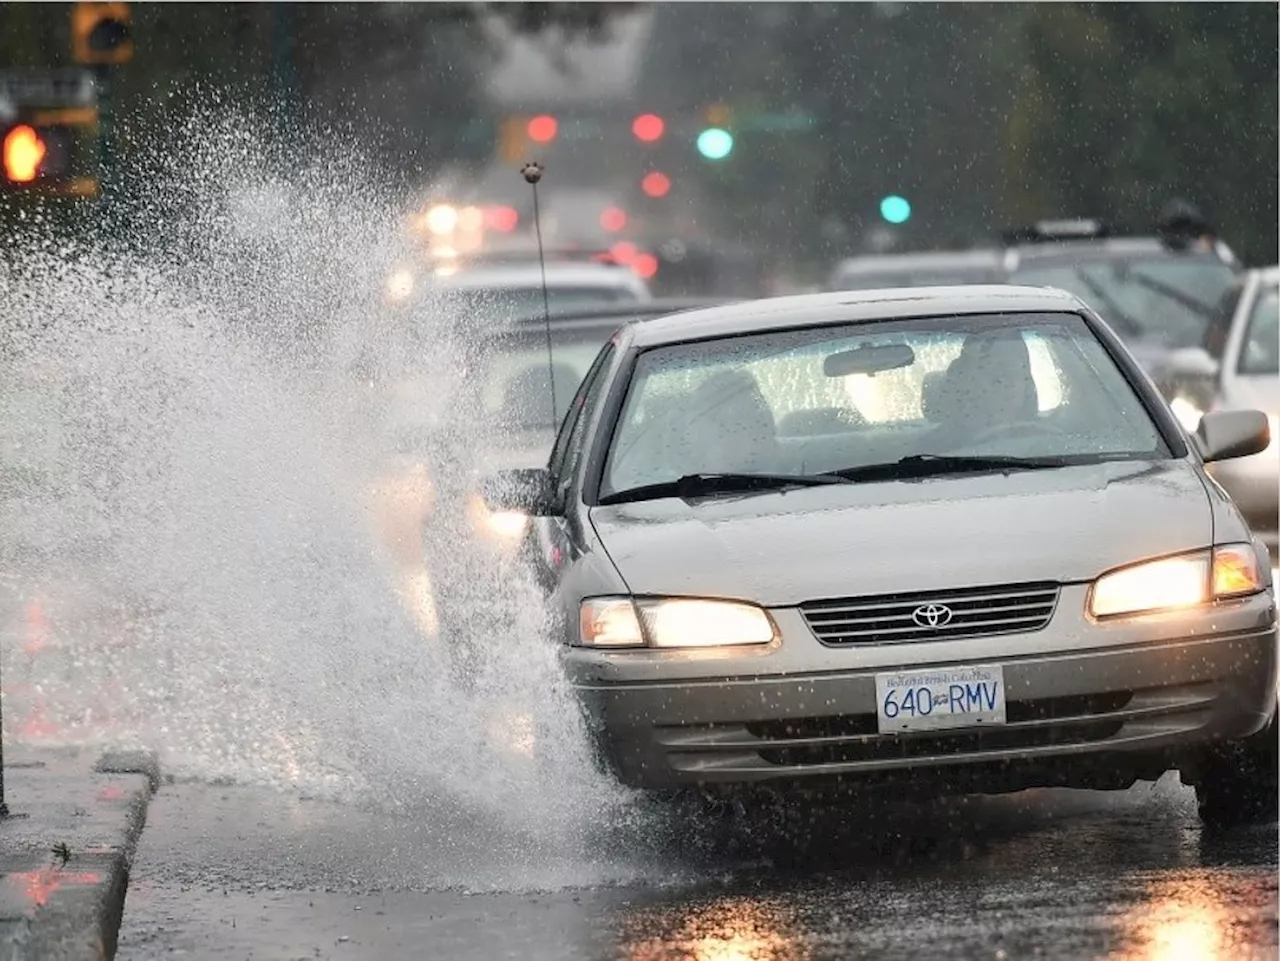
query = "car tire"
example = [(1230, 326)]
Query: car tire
[(1238, 783)]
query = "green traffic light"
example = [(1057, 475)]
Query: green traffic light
[(895, 209), (714, 143)]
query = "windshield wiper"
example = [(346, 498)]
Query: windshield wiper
[(702, 485), (925, 465)]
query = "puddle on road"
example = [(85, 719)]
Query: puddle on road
[(196, 409)]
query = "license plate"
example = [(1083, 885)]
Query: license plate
[(940, 698)]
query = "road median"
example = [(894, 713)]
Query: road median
[(66, 850)]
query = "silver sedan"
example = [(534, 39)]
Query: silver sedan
[(939, 539), (1239, 368)]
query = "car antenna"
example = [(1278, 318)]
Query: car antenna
[(532, 173)]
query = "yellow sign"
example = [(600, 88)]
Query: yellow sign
[(101, 33)]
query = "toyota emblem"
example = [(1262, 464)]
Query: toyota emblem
[(932, 615)]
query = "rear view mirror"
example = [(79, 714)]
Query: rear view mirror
[(528, 490), (869, 359), (1224, 434), (1192, 363)]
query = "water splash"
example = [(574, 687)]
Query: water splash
[(195, 416)]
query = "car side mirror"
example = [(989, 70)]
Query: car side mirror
[(1224, 434), (1192, 363), (530, 490)]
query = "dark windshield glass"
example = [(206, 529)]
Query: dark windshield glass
[(1169, 300)]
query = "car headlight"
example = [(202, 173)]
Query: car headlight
[(507, 526), (1186, 580), (400, 285), (672, 623), (1187, 412)]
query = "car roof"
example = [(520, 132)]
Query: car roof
[(1268, 275), (610, 314), (1101, 248), (884, 263), (849, 306), (530, 275)]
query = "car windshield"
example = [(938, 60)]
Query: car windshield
[(1169, 300), (832, 398), (1260, 353), (513, 373)]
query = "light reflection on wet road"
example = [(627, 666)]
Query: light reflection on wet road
[(229, 872)]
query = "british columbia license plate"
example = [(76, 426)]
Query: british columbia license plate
[(940, 698)]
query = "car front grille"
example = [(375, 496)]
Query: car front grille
[(934, 615)]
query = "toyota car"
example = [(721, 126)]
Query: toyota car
[(950, 538)]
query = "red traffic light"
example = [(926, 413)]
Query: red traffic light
[(645, 265), (613, 219), (656, 184), (542, 129), (502, 219), (648, 127), (623, 252)]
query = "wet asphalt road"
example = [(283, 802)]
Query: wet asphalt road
[(248, 873)]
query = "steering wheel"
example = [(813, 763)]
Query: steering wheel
[(1021, 428)]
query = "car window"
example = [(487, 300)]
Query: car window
[(1219, 329), (1010, 385), (574, 415), (515, 374), (590, 398), (1260, 351), (1169, 300)]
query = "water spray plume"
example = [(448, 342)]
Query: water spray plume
[(202, 418)]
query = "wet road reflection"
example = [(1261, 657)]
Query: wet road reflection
[(728, 929), (234, 872)]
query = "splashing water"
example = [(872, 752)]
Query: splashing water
[(186, 518)]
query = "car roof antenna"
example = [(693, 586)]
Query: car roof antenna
[(532, 173)]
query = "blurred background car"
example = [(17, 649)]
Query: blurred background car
[(1238, 367), (1157, 292), (930, 269)]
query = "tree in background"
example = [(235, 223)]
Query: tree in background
[(1123, 106), (983, 115)]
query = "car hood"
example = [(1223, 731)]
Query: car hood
[(781, 549)]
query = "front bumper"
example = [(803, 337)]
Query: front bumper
[(1088, 705)]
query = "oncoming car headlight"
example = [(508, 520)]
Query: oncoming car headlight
[(1170, 583), (671, 623), (506, 526)]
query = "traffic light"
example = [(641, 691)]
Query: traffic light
[(648, 127), (542, 129), (655, 184), (895, 209), (715, 143), (43, 152), (100, 34), (24, 153), (36, 156)]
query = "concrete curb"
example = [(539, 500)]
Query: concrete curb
[(50, 911)]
